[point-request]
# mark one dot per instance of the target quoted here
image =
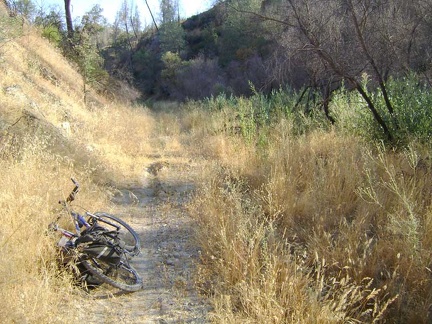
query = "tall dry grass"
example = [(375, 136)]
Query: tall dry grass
[(319, 228), (105, 146), (119, 135), (34, 289), (48, 135)]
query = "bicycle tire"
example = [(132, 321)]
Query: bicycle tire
[(122, 276), (126, 232)]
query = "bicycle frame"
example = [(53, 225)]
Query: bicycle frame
[(78, 220), (113, 229)]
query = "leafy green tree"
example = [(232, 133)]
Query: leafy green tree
[(172, 37), (171, 33), (242, 34), (90, 64), (85, 51), (172, 63), (147, 66), (52, 26), (168, 11), (93, 20), (25, 8), (94, 23), (52, 18)]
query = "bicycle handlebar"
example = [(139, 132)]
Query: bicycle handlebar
[(73, 193)]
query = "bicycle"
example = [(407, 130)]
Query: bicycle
[(102, 244)]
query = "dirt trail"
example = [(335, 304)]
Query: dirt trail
[(155, 209)]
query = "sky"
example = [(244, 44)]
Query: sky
[(188, 8)]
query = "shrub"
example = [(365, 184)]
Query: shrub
[(53, 34), (411, 120), (412, 101)]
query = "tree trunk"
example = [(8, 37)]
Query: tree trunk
[(373, 109), (327, 92), (69, 25), (151, 14), (371, 60)]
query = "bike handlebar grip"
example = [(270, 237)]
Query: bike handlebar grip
[(74, 191)]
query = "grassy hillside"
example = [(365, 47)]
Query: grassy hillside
[(48, 135)]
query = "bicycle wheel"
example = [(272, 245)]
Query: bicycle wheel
[(122, 275), (126, 233)]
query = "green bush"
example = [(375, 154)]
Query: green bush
[(412, 101), (254, 117), (53, 34), (412, 117)]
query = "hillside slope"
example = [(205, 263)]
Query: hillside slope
[(37, 77), (42, 94)]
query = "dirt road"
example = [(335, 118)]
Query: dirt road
[(155, 207)]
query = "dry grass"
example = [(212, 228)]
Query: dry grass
[(33, 288), (48, 135), (36, 80), (319, 229), (120, 136), (35, 174)]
